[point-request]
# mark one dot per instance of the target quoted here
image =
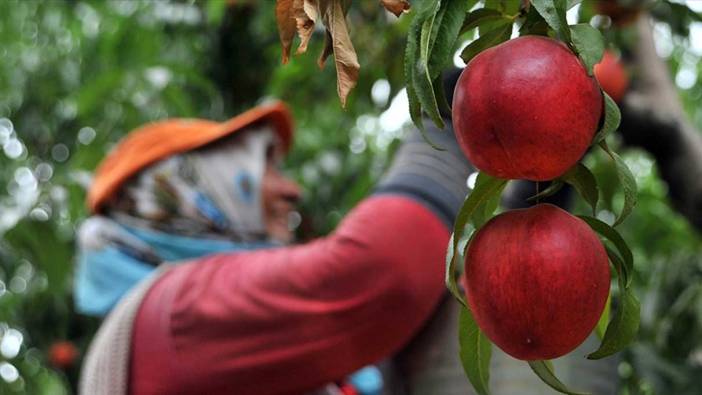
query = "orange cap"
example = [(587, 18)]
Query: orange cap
[(153, 142)]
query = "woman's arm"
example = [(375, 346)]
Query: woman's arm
[(290, 319), (287, 320)]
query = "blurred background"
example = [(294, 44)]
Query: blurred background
[(75, 76)]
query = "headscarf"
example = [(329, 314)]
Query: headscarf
[(215, 190), (186, 206)]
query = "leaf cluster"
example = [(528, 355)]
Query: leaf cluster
[(494, 25), (299, 17)]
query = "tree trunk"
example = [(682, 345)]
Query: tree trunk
[(653, 118)]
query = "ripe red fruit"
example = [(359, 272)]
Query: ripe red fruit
[(63, 354), (526, 109), (537, 281), (611, 75)]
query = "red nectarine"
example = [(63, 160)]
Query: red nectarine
[(526, 109), (63, 354), (612, 77), (537, 281)]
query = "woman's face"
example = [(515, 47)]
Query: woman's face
[(279, 197)]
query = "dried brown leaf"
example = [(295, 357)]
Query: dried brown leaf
[(286, 25), (347, 67), (306, 15), (397, 7), (327, 51)]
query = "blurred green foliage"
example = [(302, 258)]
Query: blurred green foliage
[(75, 76)]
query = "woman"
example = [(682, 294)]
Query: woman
[(242, 314), (245, 314)]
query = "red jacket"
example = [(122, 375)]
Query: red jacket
[(287, 320)]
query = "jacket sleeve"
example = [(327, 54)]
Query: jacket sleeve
[(286, 320)]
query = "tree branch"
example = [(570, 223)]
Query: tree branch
[(653, 118)]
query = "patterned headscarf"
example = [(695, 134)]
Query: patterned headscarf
[(213, 192)]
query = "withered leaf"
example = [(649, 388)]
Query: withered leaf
[(334, 17), (397, 7), (327, 51), (286, 25), (306, 15)]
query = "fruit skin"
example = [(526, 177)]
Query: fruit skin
[(537, 281), (63, 354), (526, 109), (612, 76)]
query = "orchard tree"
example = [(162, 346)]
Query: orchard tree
[(77, 75), (524, 108)]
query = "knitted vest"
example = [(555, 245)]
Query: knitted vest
[(105, 369)]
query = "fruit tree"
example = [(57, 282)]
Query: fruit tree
[(524, 108)]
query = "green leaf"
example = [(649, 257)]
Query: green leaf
[(487, 40), (683, 10), (444, 41), (484, 212), (410, 63), (505, 6), (450, 276), (494, 4), (615, 238), (436, 24), (475, 351), (422, 79), (588, 43), (555, 186), (544, 370), (440, 95), (626, 178), (483, 191), (511, 7), (624, 326), (479, 17), (534, 23), (480, 194), (415, 108), (554, 13), (585, 183), (622, 270), (604, 318), (415, 111), (427, 99), (430, 42), (612, 118), (490, 25)]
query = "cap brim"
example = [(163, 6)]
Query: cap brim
[(151, 143)]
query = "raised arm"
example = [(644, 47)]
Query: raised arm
[(288, 320)]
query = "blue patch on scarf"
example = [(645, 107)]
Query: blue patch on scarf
[(104, 276), (207, 207), (244, 184)]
